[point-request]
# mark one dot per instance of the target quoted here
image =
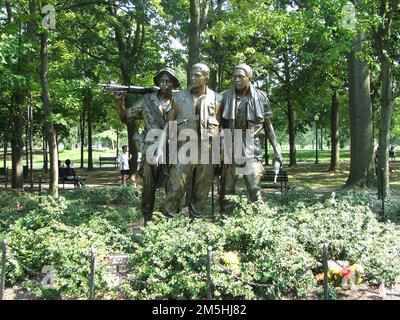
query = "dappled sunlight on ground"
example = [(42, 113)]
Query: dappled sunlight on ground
[(309, 175)]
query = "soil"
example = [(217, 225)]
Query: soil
[(364, 292), (17, 293)]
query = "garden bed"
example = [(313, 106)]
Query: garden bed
[(262, 251)]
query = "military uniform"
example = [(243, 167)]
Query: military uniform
[(152, 110), (249, 112), (194, 113)]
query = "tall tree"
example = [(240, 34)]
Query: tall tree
[(88, 107), (360, 106), (17, 102), (334, 165), (194, 35), (48, 113), (82, 136), (117, 33), (388, 10)]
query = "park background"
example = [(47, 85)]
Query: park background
[(331, 71)]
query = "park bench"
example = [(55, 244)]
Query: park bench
[(108, 160), (267, 181), (62, 178)]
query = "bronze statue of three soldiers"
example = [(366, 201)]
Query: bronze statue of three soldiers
[(240, 115)]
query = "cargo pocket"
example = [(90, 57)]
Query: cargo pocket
[(213, 126), (211, 110)]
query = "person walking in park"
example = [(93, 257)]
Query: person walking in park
[(123, 164), (152, 109), (247, 109)]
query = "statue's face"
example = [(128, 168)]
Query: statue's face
[(197, 78), (240, 79), (165, 83)]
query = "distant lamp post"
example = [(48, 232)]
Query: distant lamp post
[(316, 118)]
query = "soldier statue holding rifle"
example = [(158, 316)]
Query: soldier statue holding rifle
[(152, 108)]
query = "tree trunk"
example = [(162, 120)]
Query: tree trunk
[(117, 146), (31, 31), (82, 127), (291, 133), (383, 41), (216, 74), (386, 116), (88, 102), (194, 36), (45, 157), (58, 150), (5, 154), (290, 111), (360, 106), (321, 147), (30, 119), (334, 132), (49, 127), (19, 96), (26, 141), (17, 143)]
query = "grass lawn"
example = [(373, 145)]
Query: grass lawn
[(74, 155), (306, 174), (309, 155), (317, 177)]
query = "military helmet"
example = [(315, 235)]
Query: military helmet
[(171, 73)]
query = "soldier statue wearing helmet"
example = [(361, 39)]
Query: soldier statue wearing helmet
[(152, 108)]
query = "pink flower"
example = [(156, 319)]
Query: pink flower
[(345, 272)]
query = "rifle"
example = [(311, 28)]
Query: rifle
[(130, 89)]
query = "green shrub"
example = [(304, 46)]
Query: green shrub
[(270, 252), (128, 195), (275, 247), (60, 234), (172, 260), (171, 263), (346, 222)]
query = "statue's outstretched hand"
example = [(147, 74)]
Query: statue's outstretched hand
[(120, 95)]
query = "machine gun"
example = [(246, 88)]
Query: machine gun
[(115, 88)]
